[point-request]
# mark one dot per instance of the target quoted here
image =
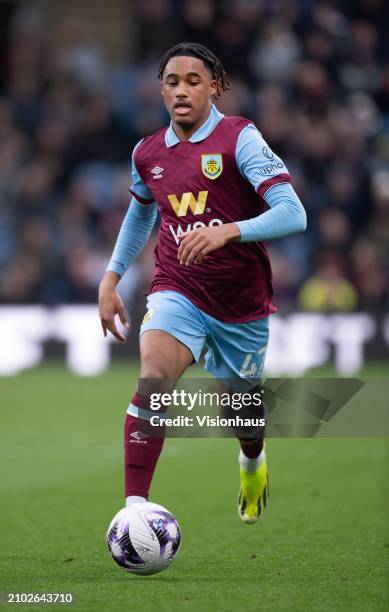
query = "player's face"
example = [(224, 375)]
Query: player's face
[(187, 89)]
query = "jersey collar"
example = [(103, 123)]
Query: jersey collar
[(203, 132)]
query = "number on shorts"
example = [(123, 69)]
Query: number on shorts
[(252, 365)]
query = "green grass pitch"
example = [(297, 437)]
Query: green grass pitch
[(322, 544)]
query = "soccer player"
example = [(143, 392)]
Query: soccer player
[(220, 192)]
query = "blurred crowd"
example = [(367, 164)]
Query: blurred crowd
[(314, 77)]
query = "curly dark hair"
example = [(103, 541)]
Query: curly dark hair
[(212, 62)]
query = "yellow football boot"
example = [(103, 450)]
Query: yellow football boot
[(254, 492)]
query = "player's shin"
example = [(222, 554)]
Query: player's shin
[(251, 456), (251, 439), (143, 443)]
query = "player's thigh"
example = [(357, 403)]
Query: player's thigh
[(237, 350), (172, 336), (162, 355)]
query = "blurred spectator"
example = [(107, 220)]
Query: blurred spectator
[(369, 275), (82, 57), (156, 27), (198, 20), (100, 136), (334, 229), (276, 52), (328, 289)]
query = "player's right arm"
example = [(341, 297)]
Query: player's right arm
[(133, 235)]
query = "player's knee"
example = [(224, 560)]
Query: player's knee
[(155, 377), (152, 370)]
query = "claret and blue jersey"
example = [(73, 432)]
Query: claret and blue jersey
[(224, 173)]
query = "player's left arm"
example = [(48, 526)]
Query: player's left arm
[(270, 178)]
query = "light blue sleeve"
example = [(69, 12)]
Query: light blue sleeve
[(138, 188), (133, 235), (256, 161), (286, 216)]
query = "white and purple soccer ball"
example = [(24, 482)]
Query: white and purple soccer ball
[(144, 538)]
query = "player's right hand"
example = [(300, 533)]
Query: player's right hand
[(110, 305)]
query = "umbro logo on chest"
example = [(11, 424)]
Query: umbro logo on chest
[(157, 173)]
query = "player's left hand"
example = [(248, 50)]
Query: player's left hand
[(196, 244)]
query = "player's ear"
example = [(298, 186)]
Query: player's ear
[(213, 88)]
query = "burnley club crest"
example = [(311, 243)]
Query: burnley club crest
[(212, 165)]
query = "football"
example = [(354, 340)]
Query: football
[(144, 538)]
